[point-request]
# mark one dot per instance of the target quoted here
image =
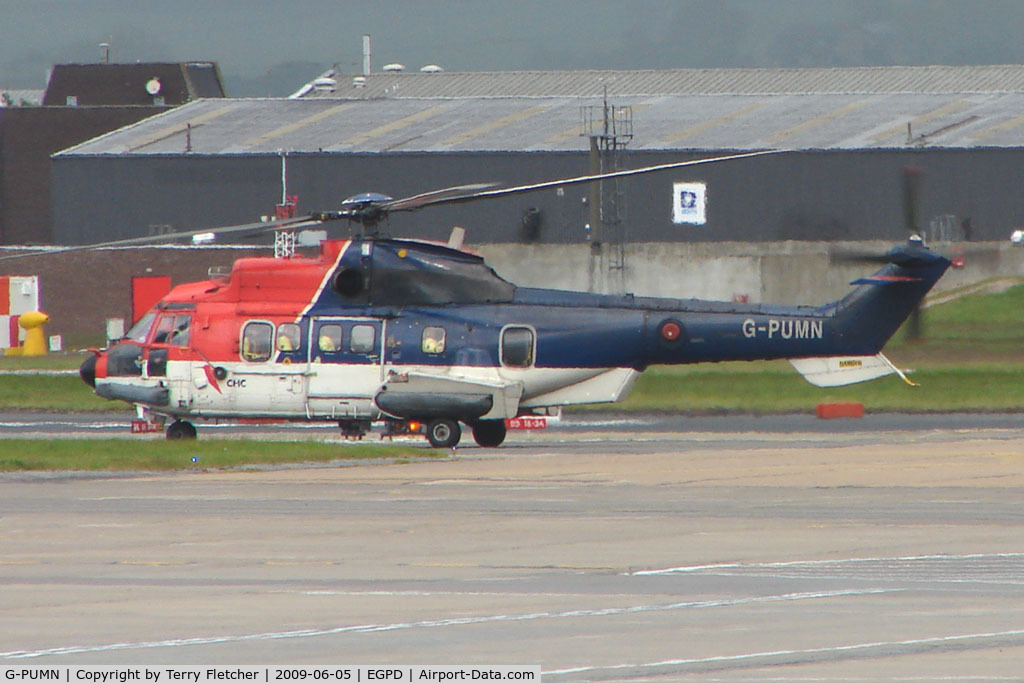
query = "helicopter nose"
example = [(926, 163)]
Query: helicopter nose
[(88, 371)]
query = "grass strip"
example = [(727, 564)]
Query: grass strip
[(783, 390), (762, 387), (65, 393), (120, 455)]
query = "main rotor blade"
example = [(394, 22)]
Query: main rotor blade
[(434, 197), (250, 228), (440, 197)]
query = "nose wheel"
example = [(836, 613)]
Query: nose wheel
[(179, 429)]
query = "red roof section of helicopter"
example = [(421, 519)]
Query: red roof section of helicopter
[(264, 279)]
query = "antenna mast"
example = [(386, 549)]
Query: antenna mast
[(284, 240), (609, 128)]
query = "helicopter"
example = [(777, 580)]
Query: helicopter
[(425, 337)]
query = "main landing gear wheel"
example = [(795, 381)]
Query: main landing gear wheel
[(443, 433), (179, 429), (489, 433)]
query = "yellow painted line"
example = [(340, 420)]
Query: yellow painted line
[(811, 123), (291, 127), (711, 123), (917, 120), (493, 125), (7, 563), (179, 128), (299, 563), (1009, 124), (562, 137), (154, 563), (400, 123)]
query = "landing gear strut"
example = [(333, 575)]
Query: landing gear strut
[(179, 429)]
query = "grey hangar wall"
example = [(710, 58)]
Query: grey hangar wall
[(813, 195)]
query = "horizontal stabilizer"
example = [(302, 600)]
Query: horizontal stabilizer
[(884, 280), (837, 371)]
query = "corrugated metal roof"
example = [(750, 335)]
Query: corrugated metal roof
[(846, 80), (701, 122)]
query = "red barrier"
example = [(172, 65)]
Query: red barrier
[(828, 411)]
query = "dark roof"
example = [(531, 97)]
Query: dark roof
[(132, 84)]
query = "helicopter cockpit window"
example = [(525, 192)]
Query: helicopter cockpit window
[(140, 330), (288, 337), (330, 338), (257, 341), (179, 332), (362, 339), (164, 328), (517, 347), (433, 340)]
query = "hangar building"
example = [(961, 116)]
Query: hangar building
[(762, 232), (848, 133)]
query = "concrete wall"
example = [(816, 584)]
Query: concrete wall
[(776, 272)]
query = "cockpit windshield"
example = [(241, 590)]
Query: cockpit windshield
[(140, 330)]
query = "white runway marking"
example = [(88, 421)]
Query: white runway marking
[(25, 424), (780, 657), (376, 628), (981, 563)]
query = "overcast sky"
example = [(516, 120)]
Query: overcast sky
[(271, 48)]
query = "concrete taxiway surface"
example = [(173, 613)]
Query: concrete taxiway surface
[(604, 553)]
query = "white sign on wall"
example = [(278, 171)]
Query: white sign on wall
[(689, 203)]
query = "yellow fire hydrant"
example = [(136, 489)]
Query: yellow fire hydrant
[(35, 340)]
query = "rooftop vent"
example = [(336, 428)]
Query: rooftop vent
[(325, 84)]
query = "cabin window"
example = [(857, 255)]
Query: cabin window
[(330, 338), (363, 339), (257, 341), (288, 337), (433, 340), (517, 347)]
